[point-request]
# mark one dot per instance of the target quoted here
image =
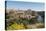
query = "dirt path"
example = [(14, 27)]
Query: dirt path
[(37, 25)]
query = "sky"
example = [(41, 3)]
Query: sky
[(25, 5)]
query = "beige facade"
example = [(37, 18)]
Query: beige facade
[(20, 13)]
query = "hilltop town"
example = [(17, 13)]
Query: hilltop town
[(24, 17)]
